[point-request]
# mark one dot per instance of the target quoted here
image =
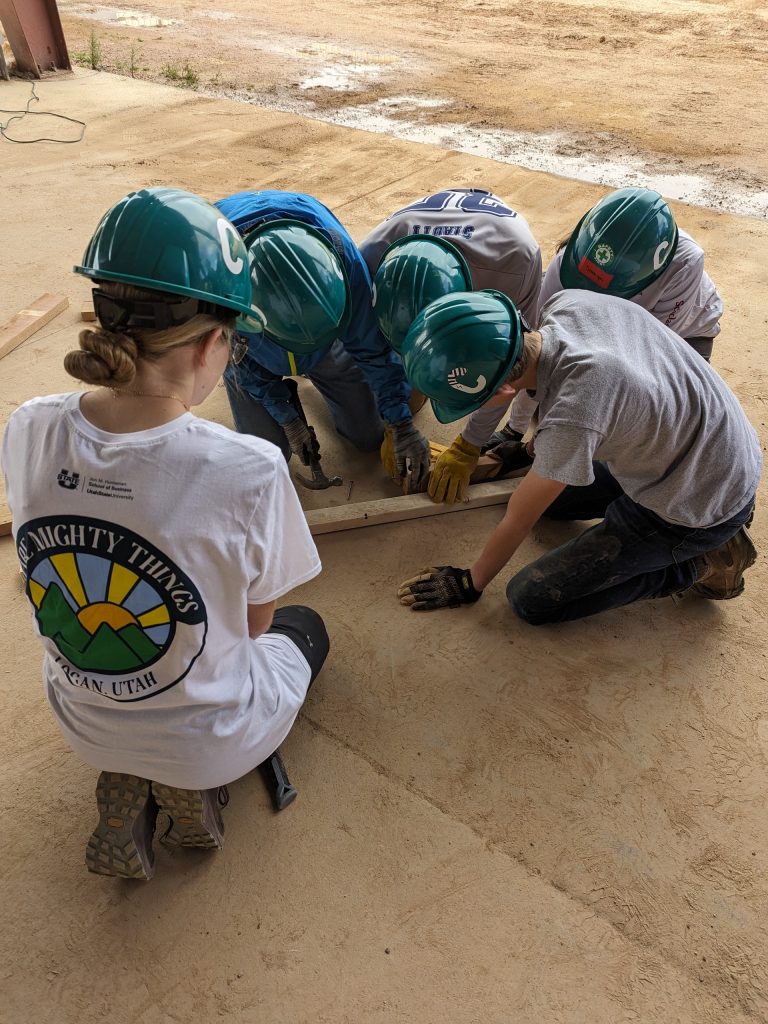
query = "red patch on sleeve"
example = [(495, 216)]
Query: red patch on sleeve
[(591, 270)]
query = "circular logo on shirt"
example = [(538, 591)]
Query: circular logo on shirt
[(603, 254), (126, 622)]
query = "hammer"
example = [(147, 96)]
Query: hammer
[(319, 480)]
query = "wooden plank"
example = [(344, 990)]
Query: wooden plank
[(27, 321), (409, 506), (88, 313), (376, 513)]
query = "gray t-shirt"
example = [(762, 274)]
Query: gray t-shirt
[(614, 384)]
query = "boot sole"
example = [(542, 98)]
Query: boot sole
[(112, 848), (193, 820)]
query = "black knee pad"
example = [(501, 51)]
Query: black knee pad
[(307, 630)]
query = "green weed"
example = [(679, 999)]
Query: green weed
[(133, 63), (186, 76), (90, 58)]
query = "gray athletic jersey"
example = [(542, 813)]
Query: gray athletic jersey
[(494, 239), (683, 298), (614, 384)]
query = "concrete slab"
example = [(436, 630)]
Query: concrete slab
[(562, 824)]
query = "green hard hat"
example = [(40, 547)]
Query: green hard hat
[(300, 288), (413, 271), (169, 240), (460, 349), (621, 245)]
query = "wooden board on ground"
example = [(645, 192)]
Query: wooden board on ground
[(27, 321), (409, 506)]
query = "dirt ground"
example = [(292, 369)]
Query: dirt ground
[(611, 92), (496, 823)]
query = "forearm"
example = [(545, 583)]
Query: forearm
[(502, 544), (268, 389), (380, 366), (532, 498), (482, 423), (260, 618)]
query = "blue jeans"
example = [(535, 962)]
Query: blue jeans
[(632, 555), (349, 398)]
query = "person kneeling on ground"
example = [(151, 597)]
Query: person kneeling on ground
[(634, 428), (312, 291), (155, 545), (456, 239), (629, 245)]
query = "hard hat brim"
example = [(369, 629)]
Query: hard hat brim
[(167, 287)]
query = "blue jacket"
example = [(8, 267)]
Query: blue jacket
[(261, 373)]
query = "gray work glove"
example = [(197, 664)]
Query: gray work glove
[(302, 440), (405, 449)]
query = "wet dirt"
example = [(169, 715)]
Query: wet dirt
[(669, 95)]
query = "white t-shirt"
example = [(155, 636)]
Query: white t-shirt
[(141, 553), (683, 298)]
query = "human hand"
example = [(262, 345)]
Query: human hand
[(405, 450), (452, 471), (302, 440), (441, 586)]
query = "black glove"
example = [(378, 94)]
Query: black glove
[(302, 440), (513, 455), (441, 586)]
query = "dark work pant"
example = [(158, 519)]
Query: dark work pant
[(307, 630), (346, 392), (631, 555), (703, 346)]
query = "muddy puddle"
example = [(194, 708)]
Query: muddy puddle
[(121, 17), (601, 161)]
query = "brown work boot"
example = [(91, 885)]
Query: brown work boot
[(723, 574), (195, 815), (121, 843)]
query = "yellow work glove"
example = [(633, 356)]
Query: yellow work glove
[(449, 479)]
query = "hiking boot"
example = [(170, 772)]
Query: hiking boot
[(121, 843), (195, 815), (722, 574), (500, 436)]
